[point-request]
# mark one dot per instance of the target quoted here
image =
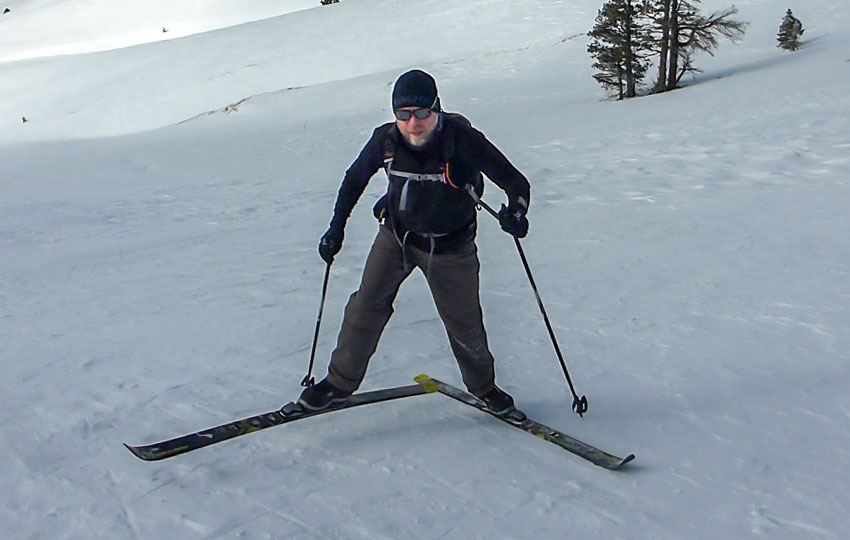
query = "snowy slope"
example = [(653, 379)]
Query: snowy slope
[(50, 27), (122, 91), (158, 275)]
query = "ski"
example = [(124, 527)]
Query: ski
[(425, 385), (289, 413), (521, 421)]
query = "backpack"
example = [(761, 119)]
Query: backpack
[(454, 124)]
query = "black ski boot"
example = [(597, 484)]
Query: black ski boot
[(498, 401), (321, 395)]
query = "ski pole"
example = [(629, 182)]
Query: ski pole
[(579, 403), (308, 380)]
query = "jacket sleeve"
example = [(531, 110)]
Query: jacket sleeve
[(357, 177), (498, 169)]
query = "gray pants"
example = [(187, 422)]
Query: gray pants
[(453, 280)]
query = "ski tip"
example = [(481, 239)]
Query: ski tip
[(156, 452), (134, 451)]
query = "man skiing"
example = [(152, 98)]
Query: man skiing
[(427, 221)]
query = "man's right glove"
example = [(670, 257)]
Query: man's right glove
[(331, 243), (512, 218)]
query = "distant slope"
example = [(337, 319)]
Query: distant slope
[(149, 86), (30, 30)]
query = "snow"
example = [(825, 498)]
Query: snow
[(159, 218)]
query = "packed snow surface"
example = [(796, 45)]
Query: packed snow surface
[(160, 211)]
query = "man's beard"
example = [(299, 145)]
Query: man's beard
[(420, 142), (424, 142)]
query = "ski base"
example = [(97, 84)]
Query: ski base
[(289, 413), (519, 420)]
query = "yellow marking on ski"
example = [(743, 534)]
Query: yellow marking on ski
[(427, 385), (172, 452)]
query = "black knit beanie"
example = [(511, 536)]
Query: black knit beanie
[(415, 89)]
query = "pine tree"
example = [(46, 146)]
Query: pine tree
[(679, 31), (659, 36), (617, 42), (789, 32)]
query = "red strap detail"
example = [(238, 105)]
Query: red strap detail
[(448, 176)]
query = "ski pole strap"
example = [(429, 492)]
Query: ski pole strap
[(481, 204), (309, 380)]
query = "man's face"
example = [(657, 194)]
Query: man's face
[(417, 131)]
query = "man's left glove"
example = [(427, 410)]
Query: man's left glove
[(512, 218), (331, 243)]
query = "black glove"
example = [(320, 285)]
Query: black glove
[(330, 244), (512, 219)]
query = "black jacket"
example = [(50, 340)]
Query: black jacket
[(426, 203)]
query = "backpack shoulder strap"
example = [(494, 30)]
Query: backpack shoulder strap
[(458, 126), (455, 124), (459, 120), (389, 145)]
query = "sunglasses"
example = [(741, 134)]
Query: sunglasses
[(404, 116)]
